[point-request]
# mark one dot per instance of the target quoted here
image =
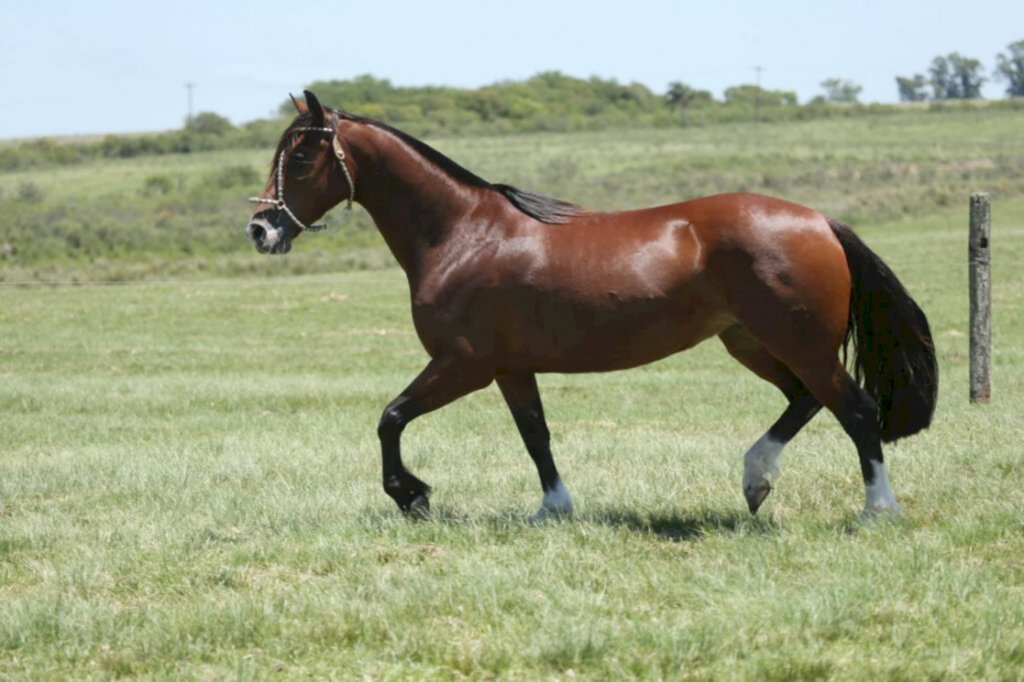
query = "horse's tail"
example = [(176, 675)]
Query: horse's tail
[(893, 351)]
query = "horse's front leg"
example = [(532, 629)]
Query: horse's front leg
[(523, 399), (443, 381)]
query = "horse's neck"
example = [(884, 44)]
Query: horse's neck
[(415, 204)]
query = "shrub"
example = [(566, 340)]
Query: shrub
[(209, 123), (235, 176), (157, 185), (30, 192)]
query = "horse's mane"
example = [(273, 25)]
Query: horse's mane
[(539, 207), (545, 209)]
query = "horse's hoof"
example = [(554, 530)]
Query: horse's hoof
[(756, 496), (419, 508), (871, 514), (544, 515)]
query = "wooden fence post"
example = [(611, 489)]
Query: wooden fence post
[(980, 272)]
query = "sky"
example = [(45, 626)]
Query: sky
[(104, 66)]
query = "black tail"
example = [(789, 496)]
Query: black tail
[(893, 351)]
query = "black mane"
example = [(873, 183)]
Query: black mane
[(539, 207), (542, 208)]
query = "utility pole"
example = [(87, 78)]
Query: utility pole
[(757, 96), (188, 121), (189, 87)]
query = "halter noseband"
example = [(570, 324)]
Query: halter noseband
[(279, 202)]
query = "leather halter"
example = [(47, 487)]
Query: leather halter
[(279, 202)]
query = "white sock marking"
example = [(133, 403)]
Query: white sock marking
[(879, 494), (761, 463), (557, 502)]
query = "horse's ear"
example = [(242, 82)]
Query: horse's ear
[(315, 108), (299, 106)]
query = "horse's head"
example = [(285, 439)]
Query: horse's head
[(309, 175)]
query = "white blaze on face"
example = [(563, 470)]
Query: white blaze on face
[(264, 235), (273, 236)]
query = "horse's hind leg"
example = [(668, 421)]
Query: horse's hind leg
[(858, 415), (824, 377), (761, 462), (523, 398)]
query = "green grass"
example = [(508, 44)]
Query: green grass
[(189, 488)]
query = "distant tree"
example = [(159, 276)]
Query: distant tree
[(940, 77), (1010, 68), (841, 91), (956, 77), (208, 123), (681, 96), (350, 94), (750, 94), (968, 72), (912, 89)]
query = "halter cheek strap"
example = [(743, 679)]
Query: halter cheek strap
[(279, 202), (339, 153)]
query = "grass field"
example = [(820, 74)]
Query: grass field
[(189, 488), (189, 469)]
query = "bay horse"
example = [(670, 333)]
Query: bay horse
[(506, 284)]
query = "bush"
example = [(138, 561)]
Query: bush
[(156, 185), (235, 176), (30, 192), (209, 123)]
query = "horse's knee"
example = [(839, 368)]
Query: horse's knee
[(391, 424)]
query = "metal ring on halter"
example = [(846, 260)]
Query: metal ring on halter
[(279, 202)]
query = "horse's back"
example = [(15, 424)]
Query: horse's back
[(721, 245)]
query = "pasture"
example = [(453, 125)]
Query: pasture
[(190, 484)]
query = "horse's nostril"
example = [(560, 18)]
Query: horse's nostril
[(256, 232)]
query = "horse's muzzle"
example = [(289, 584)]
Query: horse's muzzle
[(267, 238)]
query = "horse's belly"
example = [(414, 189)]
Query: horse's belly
[(580, 338)]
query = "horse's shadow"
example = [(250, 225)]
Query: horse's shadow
[(673, 526), (684, 525)]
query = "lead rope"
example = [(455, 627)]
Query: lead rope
[(279, 202)]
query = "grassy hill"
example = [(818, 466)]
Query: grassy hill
[(181, 215)]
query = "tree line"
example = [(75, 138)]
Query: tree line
[(554, 101), (954, 76), (549, 101)]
